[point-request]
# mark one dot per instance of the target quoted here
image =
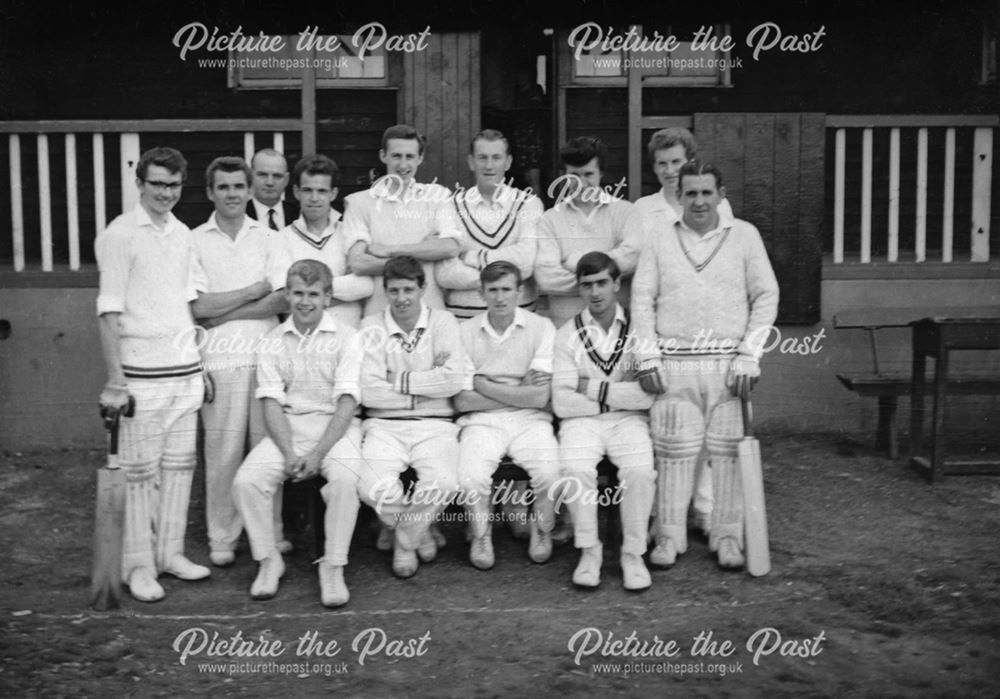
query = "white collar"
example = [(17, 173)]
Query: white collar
[(588, 318), (422, 321), (326, 325), (142, 218), (520, 320), (331, 225)]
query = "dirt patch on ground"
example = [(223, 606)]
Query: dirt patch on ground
[(882, 586)]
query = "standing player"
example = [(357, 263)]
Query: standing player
[(413, 364), (510, 350), (499, 223), (604, 412), (270, 177), (654, 215), (317, 234), (704, 293), (398, 216), (147, 262), (307, 377), (585, 218), (240, 264)]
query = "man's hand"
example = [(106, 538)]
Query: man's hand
[(310, 464), (114, 396), (582, 384), (536, 378), (209, 387), (743, 375), (571, 261), (293, 466), (650, 380), (440, 359), (260, 289)]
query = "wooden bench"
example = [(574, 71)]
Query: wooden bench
[(888, 386)]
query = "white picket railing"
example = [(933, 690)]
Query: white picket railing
[(129, 133), (982, 172)]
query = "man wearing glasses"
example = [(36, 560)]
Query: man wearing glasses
[(148, 272)]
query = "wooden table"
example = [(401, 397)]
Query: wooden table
[(937, 337)]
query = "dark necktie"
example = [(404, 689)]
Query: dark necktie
[(270, 220)]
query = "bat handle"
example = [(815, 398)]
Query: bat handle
[(112, 418), (747, 416)]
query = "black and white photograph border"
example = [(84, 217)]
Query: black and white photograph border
[(858, 137)]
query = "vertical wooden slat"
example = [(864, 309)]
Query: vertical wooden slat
[(635, 149), (45, 201), (730, 155), (434, 96), (893, 252), (100, 213), (129, 160), (72, 208), (248, 146), (948, 212), (780, 225), (866, 196), (16, 202), (450, 118), (308, 110), (921, 233), (760, 180), (982, 183), (808, 266), (838, 195)]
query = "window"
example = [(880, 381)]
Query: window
[(334, 58)]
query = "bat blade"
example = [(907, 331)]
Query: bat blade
[(109, 521), (758, 553)]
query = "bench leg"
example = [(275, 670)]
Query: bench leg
[(886, 438)]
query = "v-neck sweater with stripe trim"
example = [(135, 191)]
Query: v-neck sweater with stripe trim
[(720, 309)]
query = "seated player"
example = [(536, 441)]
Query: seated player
[(510, 350), (604, 413), (307, 377), (413, 364)]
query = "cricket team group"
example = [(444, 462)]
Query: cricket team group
[(443, 331)]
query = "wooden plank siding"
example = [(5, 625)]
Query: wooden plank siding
[(773, 172), (601, 113), (441, 98)]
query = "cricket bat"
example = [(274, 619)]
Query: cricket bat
[(109, 519), (758, 552)]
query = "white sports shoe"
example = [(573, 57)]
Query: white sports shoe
[(428, 549), (635, 576), (222, 559), (481, 552), (730, 555), (332, 588), (143, 587), (540, 546), (284, 546), (181, 567), (588, 570), (265, 585), (665, 553), (385, 538)]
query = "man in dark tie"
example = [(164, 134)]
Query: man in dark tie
[(270, 177)]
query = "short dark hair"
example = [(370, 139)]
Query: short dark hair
[(498, 269), (227, 163), (163, 156), (595, 263), (310, 272), (403, 267), (581, 150), (316, 165), (405, 132), (489, 135), (695, 168), (670, 137)]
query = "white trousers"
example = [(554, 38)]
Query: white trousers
[(156, 448), (583, 442), (430, 446), (530, 442), (264, 470), (229, 421)]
